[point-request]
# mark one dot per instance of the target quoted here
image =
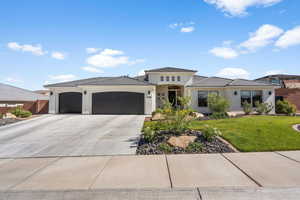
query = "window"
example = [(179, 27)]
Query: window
[(251, 96), (203, 97), (167, 78), (178, 78), (161, 78), (256, 97), (245, 96), (173, 78)]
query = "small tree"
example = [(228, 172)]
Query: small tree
[(247, 108), (217, 103)]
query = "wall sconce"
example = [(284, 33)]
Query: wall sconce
[(270, 92), (235, 93), (84, 92), (149, 92), (51, 93)]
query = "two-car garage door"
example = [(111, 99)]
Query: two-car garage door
[(104, 103)]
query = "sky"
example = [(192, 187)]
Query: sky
[(45, 42)]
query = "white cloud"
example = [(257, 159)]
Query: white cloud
[(273, 72), (12, 80), (289, 38), (34, 49), (187, 29), (141, 72), (264, 36), (111, 58), (58, 55), (92, 50), (61, 78), (233, 73), (224, 52), (239, 7), (92, 69)]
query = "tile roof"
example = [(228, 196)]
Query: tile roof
[(121, 80), (170, 69), (12, 93)]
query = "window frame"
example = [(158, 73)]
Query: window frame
[(205, 104), (178, 78), (252, 97), (173, 78), (167, 78), (162, 78)]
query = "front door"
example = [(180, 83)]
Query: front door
[(172, 97)]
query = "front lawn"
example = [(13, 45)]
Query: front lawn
[(257, 133)]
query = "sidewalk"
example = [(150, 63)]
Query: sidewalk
[(250, 171)]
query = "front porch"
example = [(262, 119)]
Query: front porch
[(169, 93)]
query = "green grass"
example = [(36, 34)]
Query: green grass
[(256, 133)]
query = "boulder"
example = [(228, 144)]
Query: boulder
[(10, 116), (158, 116), (234, 114), (198, 115), (181, 141)]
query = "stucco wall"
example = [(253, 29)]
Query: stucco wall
[(185, 78), (235, 100), (150, 101)]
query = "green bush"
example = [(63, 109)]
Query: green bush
[(149, 134), (209, 133), (164, 147), (263, 108), (217, 103), (20, 112), (285, 107), (1, 116), (217, 115), (247, 107), (194, 147)]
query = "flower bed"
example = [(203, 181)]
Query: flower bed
[(201, 145)]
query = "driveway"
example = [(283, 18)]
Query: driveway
[(71, 135)]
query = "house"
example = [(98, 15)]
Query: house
[(144, 94), (290, 87), (12, 97)]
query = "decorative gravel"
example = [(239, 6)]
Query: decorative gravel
[(215, 146), (4, 122)]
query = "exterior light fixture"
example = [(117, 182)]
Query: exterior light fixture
[(51, 93), (270, 92), (235, 93), (84, 92)]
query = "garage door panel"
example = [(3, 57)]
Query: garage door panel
[(70, 102), (118, 103)]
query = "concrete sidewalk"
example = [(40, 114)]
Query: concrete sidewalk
[(236, 170)]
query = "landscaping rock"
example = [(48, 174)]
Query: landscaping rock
[(198, 115), (234, 114), (158, 116), (181, 141), (9, 116), (296, 127)]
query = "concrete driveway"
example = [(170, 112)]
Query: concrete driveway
[(71, 135)]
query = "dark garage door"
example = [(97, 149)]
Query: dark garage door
[(118, 103), (70, 102)]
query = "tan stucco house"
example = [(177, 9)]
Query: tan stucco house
[(143, 94)]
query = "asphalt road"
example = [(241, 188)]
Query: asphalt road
[(71, 135)]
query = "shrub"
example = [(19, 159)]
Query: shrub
[(285, 107), (209, 133), (149, 134), (1, 116), (164, 147), (263, 108), (217, 115), (217, 103), (247, 107), (184, 102), (20, 112), (194, 147)]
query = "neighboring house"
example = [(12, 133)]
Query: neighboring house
[(290, 87), (143, 94), (12, 97)]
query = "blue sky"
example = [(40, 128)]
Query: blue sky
[(46, 41)]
